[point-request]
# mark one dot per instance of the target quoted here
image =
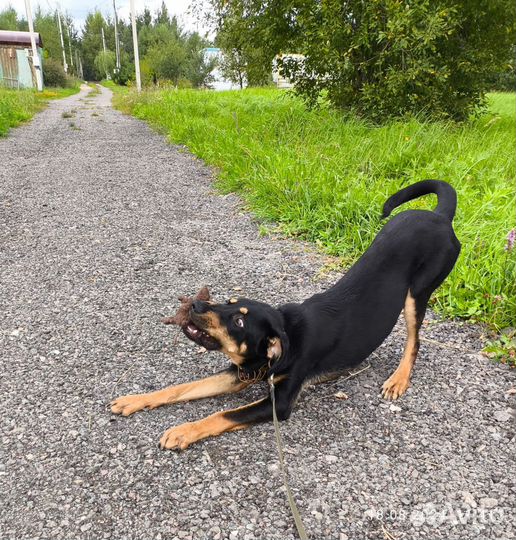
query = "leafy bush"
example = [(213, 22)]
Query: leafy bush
[(124, 74), (53, 74), (167, 60), (105, 62), (382, 58)]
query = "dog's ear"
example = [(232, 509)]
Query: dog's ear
[(278, 347), (275, 349)]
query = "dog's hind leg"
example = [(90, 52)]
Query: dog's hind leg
[(414, 313), (225, 382)]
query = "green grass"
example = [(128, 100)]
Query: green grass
[(17, 106), (112, 85), (95, 90), (323, 176)]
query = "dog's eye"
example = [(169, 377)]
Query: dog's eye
[(239, 321)]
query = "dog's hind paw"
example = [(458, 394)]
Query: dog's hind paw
[(395, 386)]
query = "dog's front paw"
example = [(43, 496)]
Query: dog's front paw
[(126, 405), (179, 437), (395, 386)]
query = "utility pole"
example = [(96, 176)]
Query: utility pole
[(35, 55), (135, 45), (69, 45), (77, 63), (104, 47), (65, 65), (117, 43)]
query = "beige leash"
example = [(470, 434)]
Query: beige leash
[(295, 512)]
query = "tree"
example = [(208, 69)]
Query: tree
[(46, 25), (162, 15), (197, 69), (91, 45), (9, 20), (245, 59), (381, 58), (233, 66), (145, 19), (105, 63), (167, 61), (166, 51)]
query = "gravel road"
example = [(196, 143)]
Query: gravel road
[(102, 226)]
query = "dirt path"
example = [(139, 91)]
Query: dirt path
[(102, 225)]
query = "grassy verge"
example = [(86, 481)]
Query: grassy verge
[(112, 85), (325, 177), (117, 89), (17, 106)]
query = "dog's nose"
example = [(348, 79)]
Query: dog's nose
[(198, 306)]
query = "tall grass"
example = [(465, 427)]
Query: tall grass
[(17, 106), (324, 176)]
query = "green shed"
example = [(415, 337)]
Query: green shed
[(16, 69)]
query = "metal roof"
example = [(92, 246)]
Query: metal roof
[(10, 37)]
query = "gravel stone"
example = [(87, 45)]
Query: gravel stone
[(469, 499), (488, 502), (101, 228), (503, 415)]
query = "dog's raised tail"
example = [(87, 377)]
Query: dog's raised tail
[(446, 197)]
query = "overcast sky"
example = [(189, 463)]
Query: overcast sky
[(78, 9)]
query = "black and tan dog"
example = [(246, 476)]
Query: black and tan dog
[(326, 334)]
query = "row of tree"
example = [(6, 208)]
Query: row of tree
[(167, 52)]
